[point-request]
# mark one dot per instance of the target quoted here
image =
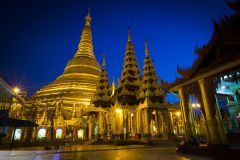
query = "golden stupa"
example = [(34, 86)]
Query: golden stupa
[(77, 84)]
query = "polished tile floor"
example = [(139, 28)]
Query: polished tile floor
[(100, 152)]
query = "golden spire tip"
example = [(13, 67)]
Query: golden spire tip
[(88, 18), (129, 34), (104, 61), (146, 48)]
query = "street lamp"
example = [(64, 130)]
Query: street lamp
[(196, 105), (16, 90)]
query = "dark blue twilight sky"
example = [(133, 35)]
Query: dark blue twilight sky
[(38, 37)]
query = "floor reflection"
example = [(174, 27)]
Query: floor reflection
[(126, 154), (101, 152)]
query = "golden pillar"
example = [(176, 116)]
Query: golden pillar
[(166, 122), (171, 121), (90, 127), (138, 123), (185, 110), (156, 122), (63, 132), (160, 124), (100, 124), (119, 121), (143, 121), (146, 121), (129, 125), (169, 124), (113, 122), (34, 134), (207, 90)]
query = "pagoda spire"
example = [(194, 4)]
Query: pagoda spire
[(104, 62), (129, 81), (146, 48), (102, 97), (149, 89), (129, 34), (88, 18), (113, 87), (85, 46)]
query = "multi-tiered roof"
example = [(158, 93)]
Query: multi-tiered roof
[(149, 89), (129, 82), (102, 97)]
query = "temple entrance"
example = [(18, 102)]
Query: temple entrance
[(59, 133), (42, 133), (96, 131), (18, 133), (80, 134)]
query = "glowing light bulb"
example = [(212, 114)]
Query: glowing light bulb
[(193, 105), (16, 90), (198, 105), (178, 114), (118, 110)]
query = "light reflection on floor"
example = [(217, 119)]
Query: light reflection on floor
[(131, 154), (105, 153)]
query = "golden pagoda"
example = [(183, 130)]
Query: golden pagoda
[(76, 86)]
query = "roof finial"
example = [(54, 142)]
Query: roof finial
[(113, 87), (88, 18), (113, 82), (129, 34), (104, 61), (146, 48)]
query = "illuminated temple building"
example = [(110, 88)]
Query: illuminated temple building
[(81, 105)]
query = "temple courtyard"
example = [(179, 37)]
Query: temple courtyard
[(91, 152)]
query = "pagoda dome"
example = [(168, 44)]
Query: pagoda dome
[(82, 64)]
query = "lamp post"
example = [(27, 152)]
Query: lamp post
[(16, 90)]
